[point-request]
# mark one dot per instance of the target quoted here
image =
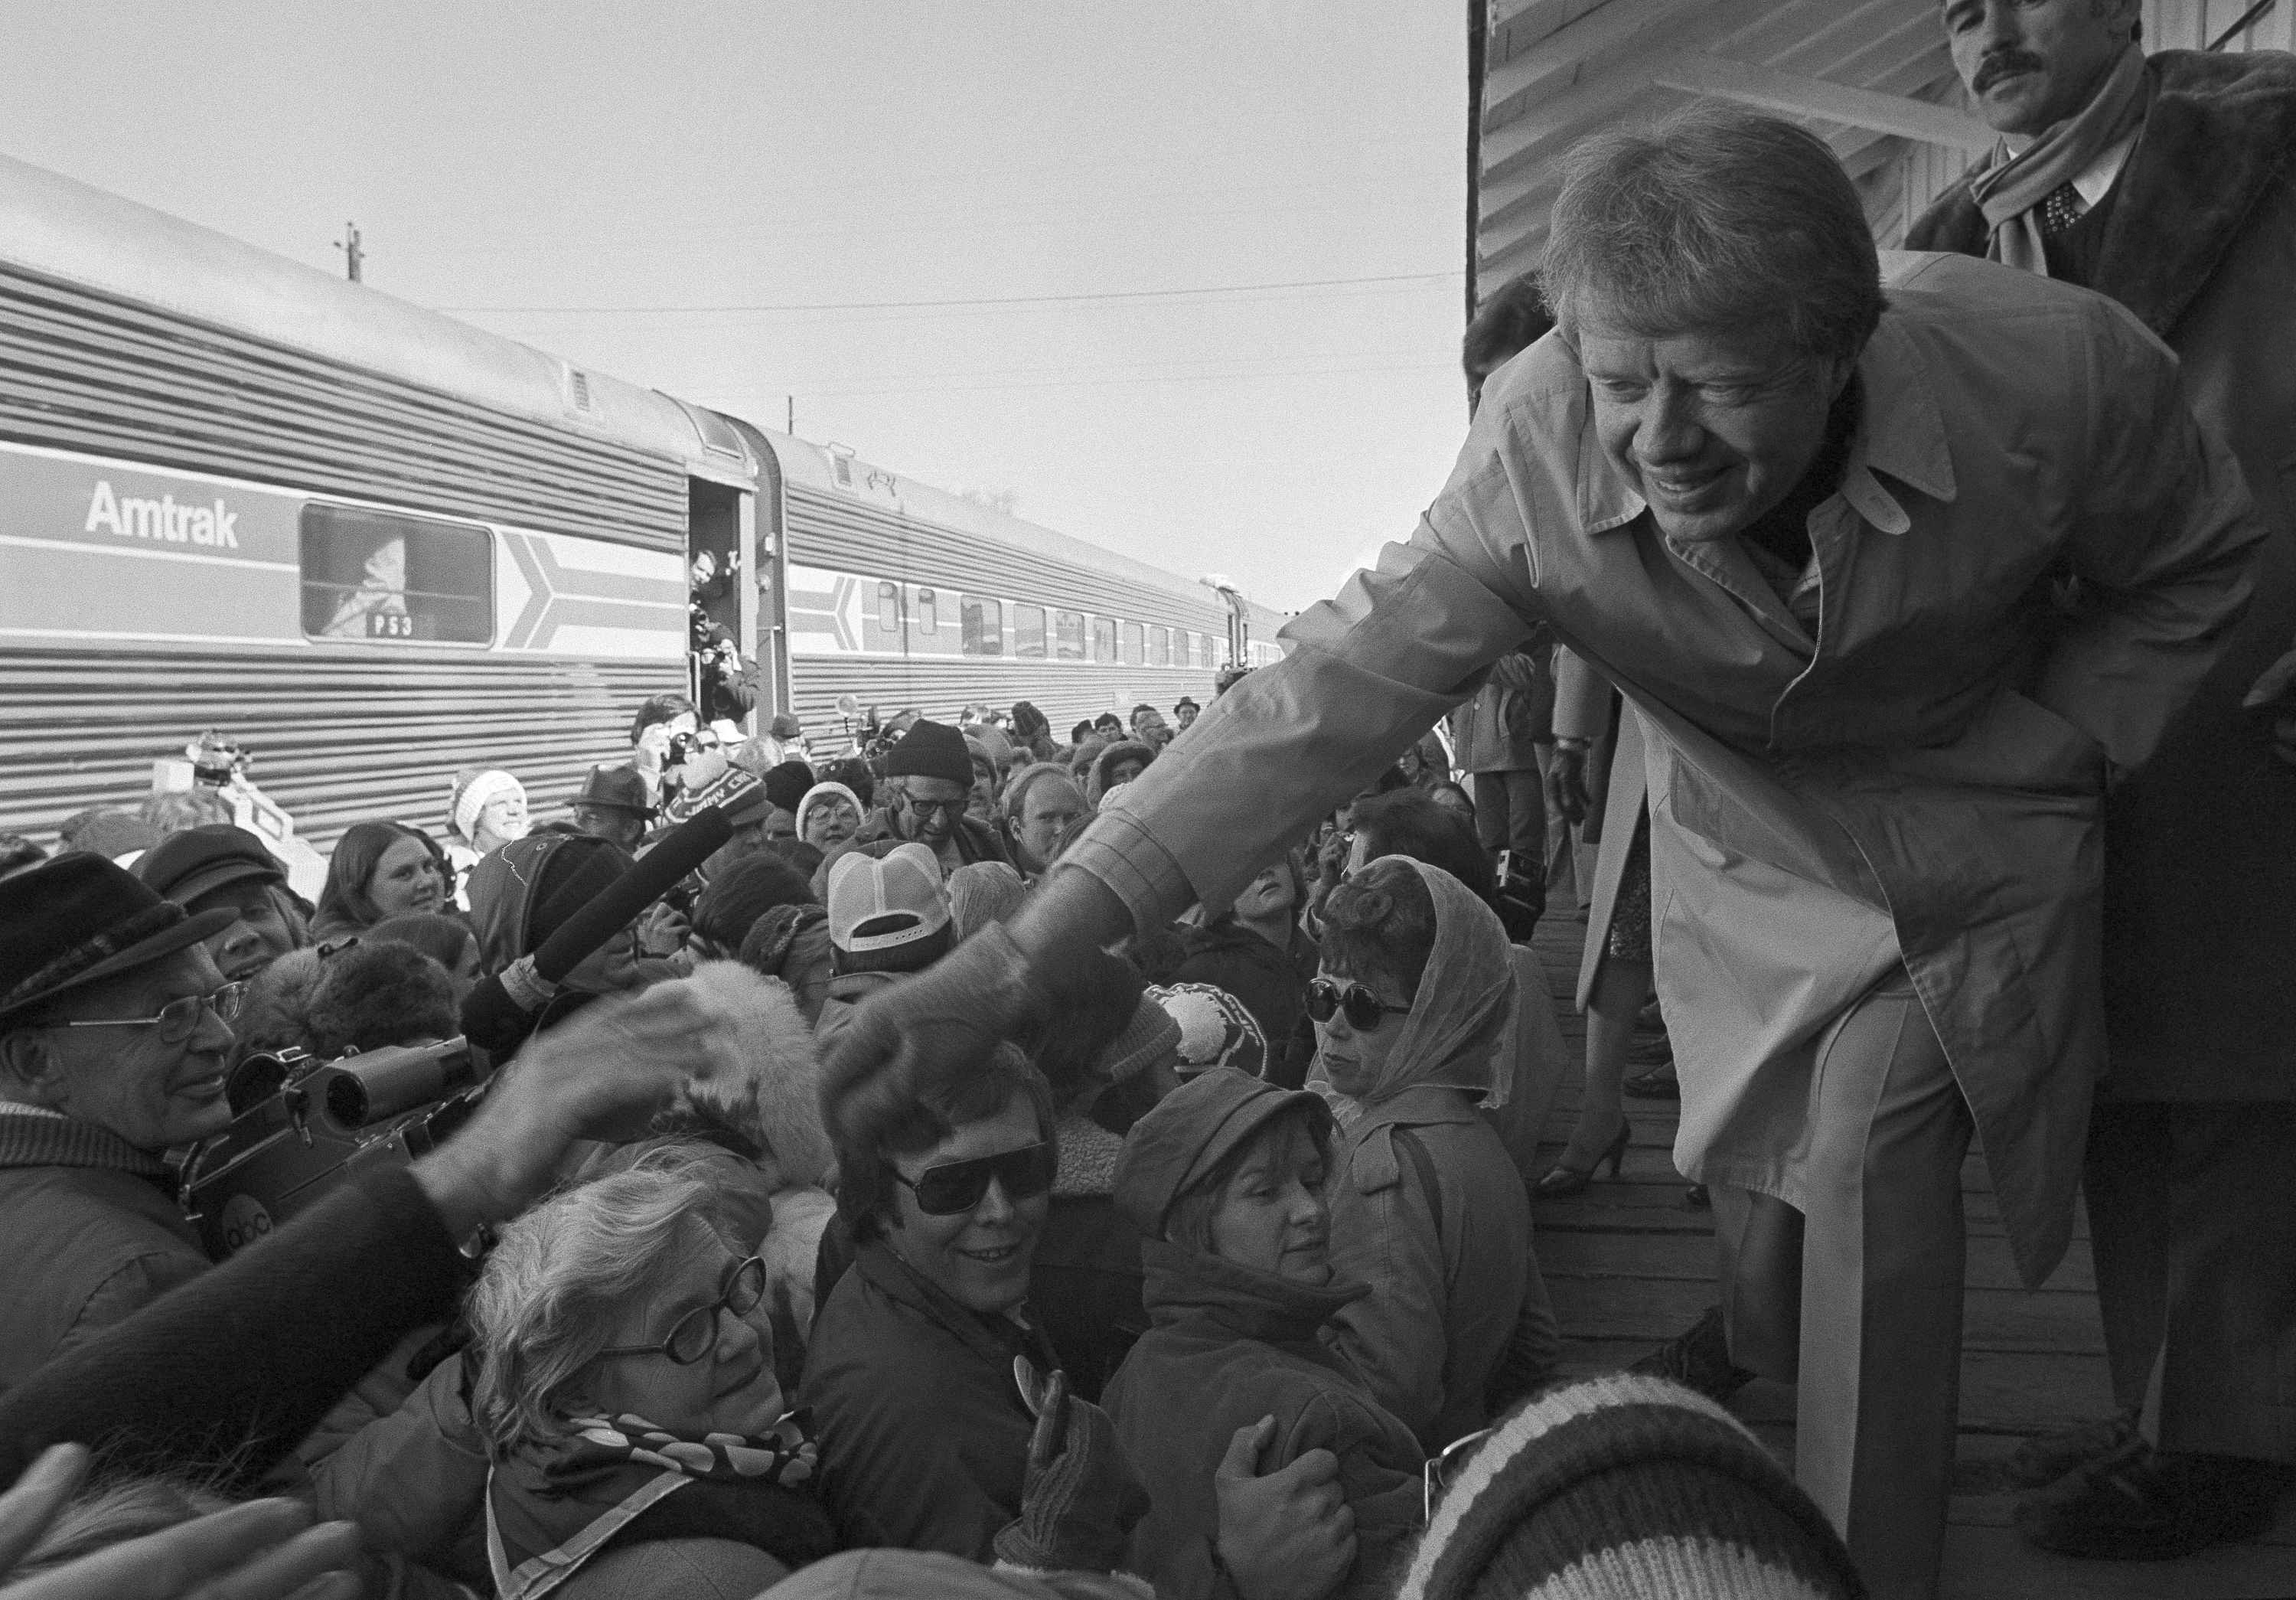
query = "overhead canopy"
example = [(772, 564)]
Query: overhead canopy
[(1872, 77)]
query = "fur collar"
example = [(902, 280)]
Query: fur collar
[(2219, 135), (776, 1102)]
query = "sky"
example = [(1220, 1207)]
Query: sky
[(646, 188)]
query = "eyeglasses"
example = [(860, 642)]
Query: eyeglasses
[(695, 1333), (1435, 1477), (177, 1019), (957, 1187), (943, 808), (1365, 1011)]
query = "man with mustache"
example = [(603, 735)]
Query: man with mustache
[(1811, 523), (2164, 183)]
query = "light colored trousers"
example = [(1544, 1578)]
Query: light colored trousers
[(1858, 1301)]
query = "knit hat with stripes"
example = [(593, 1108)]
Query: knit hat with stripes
[(1627, 1486)]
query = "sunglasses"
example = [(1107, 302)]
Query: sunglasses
[(1365, 1011), (955, 1188), (177, 1019), (695, 1333)]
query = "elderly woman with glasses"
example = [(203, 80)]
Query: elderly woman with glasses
[(1415, 1013), (925, 1369), (622, 1379)]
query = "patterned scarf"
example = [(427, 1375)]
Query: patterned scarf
[(785, 1455), (554, 1505), (2010, 190)]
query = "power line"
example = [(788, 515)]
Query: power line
[(1007, 299)]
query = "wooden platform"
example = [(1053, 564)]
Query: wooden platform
[(1629, 1267)]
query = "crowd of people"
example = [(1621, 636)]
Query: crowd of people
[(1000, 1166)]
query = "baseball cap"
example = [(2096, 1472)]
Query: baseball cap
[(879, 902)]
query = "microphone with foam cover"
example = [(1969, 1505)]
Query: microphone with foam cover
[(496, 1020)]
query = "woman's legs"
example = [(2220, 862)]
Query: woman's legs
[(1621, 988)]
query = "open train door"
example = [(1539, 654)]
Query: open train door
[(722, 595)]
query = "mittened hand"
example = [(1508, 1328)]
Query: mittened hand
[(1079, 1500), (981, 992)]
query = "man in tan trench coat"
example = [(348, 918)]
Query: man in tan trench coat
[(1820, 539)]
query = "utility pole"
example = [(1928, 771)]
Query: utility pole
[(352, 252), (791, 429)]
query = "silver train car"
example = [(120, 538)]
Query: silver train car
[(373, 545)]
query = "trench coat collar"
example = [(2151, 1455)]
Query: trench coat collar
[(1901, 435)]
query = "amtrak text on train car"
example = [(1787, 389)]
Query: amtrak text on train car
[(162, 518)]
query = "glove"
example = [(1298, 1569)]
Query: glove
[(1079, 1499), (981, 992), (1566, 783)]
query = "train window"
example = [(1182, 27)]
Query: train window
[(377, 575), (1029, 632), (1133, 654), (1067, 631), (1160, 646), (983, 622), (889, 607), (1211, 652), (928, 616), (1103, 639), (1180, 647)]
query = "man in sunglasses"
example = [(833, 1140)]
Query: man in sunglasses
[(928, 780), (114, 1037)]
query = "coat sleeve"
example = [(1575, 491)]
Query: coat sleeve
[(1365, 675), (245, 1359), (1380, 1479), (2162, 543), (1383, 1235)]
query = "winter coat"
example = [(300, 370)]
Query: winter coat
[(415, 1480), (1271, 984), (89, 1232), (1918, 784), (924, 1437), (1442, 1238), (2200, 881), (1227, 1347), (1509, 717)]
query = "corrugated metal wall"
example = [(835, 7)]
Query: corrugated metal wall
[(87, 371), (940, 689), (851, 536), (335, 740)]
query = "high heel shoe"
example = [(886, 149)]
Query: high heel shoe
[(1562, 1182)]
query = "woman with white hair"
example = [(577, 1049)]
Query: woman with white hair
[(623, 1381)]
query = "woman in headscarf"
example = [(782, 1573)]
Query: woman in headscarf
[(1415, 1007), (379, 870)]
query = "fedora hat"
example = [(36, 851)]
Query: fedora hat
[(620, 787), (78, 919)]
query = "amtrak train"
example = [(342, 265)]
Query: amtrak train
[(372, 545)]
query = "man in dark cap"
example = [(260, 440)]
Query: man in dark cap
[(613, 806), (224, 867), (114, 1037), (928, 778)]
